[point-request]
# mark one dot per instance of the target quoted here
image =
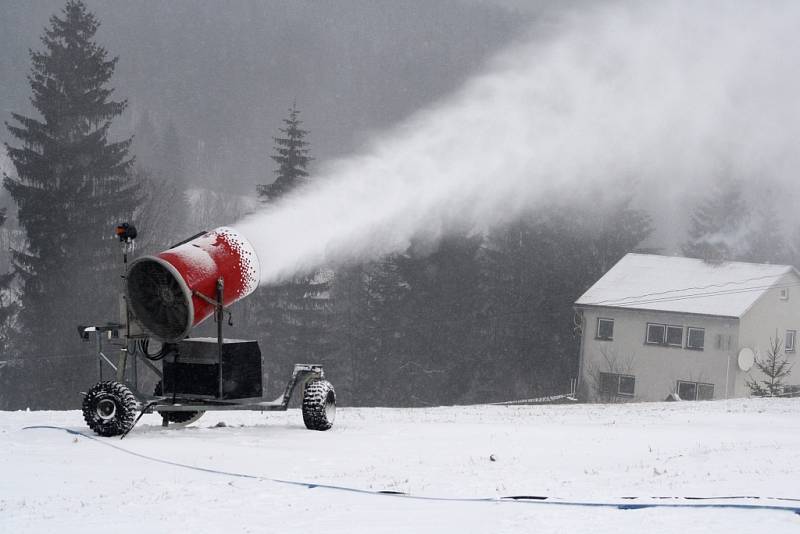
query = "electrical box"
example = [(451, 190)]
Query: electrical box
[(195, 369)]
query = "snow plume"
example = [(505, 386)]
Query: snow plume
[(669, 95)]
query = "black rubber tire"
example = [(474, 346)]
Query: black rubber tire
[(109, 408), (177, 418), (319, 405)]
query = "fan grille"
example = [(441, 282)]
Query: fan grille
[(158, 301)]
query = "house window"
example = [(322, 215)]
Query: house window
[(656, 333), (695, 338), (605, 329), (614, 384), (785, 293), (626, 385), (723, 342), (675, 336), (695, 390), (790, 337), (705, 391)]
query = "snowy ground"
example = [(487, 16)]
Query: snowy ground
[(51, 481)]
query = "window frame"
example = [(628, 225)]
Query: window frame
[(697, 386), (689, 335), (666, 336), (786, 347), (597, 331), (619, 385), (617, 377), (686, 383), (663, 334), (701, 385)]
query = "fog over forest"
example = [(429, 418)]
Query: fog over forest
[(224, 76), (226, 73), (460, 172), (399, 265)]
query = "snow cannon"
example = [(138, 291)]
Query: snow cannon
[(167, 295), (175, 290)]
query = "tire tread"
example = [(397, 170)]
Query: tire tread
[(315, 397), (126, 408)]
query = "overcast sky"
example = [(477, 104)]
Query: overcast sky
[(225, 73)]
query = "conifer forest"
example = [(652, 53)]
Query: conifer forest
[(182, 117)]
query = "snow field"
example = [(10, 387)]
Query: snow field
[(54, 481)]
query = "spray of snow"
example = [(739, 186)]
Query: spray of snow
[(670, 95)]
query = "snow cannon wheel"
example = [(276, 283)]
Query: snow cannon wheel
[(319, 405), (177, 418), (109, 408)]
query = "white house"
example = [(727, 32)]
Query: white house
[(656, 325)]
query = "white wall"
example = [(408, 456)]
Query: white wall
[(657, 368), (769, 316)]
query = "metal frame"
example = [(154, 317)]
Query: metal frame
[(301, 374)]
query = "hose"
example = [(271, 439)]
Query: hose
[(521, 499), (144, 345)]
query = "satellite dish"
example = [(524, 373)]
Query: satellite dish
[(746, 359)]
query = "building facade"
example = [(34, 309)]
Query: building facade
[(656, 326)]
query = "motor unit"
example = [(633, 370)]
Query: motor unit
[(193, 369)]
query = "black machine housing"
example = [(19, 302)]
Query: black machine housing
[(196, 368)]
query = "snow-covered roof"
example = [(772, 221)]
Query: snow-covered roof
[(686, 285)]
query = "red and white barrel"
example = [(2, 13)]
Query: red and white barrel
[(165, 292)]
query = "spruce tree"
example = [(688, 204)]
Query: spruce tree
[(159, 173), (9, 385), (171, 165), (291, 155), (7, 305), (775, 367), (534, 269), (292, 316), (164, 186), (765, 239), (72, 186), (439, 332), (717, 225), (145, 142), (369, 331)]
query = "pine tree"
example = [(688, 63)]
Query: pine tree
[(534, 269), (160, 175), (7, 305), (352, 329), (171, 165), (718, 224), (145, 142), (162, 215), (613, 231), (292, 157), (766, 241), (439, 336), (293, 315), (72, 186), (9, 386), (775, 368)]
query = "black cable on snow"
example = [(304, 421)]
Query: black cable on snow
[(521, 499), (144, 411)]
